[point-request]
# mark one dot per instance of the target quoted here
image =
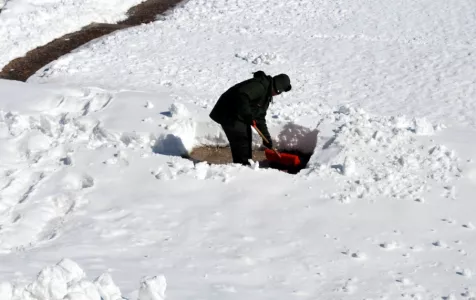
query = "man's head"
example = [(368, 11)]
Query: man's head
[(281, 83)]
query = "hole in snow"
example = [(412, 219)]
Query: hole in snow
[(222, 155)]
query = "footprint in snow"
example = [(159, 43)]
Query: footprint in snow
[(450, 192), (67, 161), (449, 297), (469, 225), (96, 101), (465, 273), (404, 281), (349, 286), (469, 294), (449, 221), (392, 245), (74, 181), (440, 244), (32, 187), (355, 255), (119, 156), (416, 248), (163, 174), (359, 255), (16, 218), (64, 204), (87, 181), (415, 296)]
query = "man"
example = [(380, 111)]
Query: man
[(243, 104)]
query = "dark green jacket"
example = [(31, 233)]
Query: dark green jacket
[(246, 101)]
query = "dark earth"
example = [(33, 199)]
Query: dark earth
[(222, 155)]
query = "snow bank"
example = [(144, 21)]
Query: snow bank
[(179, 136), (188, 131), (66, 280), (179, 139)]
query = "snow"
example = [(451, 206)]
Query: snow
[(27, 24), (390, 58), (74, 153), (91, 172), (153, 288), (66, 280)]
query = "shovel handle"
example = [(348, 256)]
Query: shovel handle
[(264, 138)]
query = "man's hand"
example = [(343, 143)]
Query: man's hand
[(267, 142)]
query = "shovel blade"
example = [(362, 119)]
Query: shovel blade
[(285, 159)]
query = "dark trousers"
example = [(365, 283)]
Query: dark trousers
[(239, 137)]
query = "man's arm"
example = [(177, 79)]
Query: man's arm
[(261, 124), (255, 91)]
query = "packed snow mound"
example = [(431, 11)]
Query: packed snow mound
[(67, 281), (376, 156)]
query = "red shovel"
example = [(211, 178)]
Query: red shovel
[(272, 155)]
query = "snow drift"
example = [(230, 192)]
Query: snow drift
[(67, 281)]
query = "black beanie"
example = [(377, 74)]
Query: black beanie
[(282, 83)]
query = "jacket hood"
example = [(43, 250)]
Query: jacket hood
[(282, 83)]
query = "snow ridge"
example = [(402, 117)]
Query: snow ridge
[(67, 281)]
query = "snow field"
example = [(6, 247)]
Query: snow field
[(73, 152), (382, 98), (67, 281), (388, 58)]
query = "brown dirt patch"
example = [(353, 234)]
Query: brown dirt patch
[(23, 67), (148, 11), (222, 155)]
